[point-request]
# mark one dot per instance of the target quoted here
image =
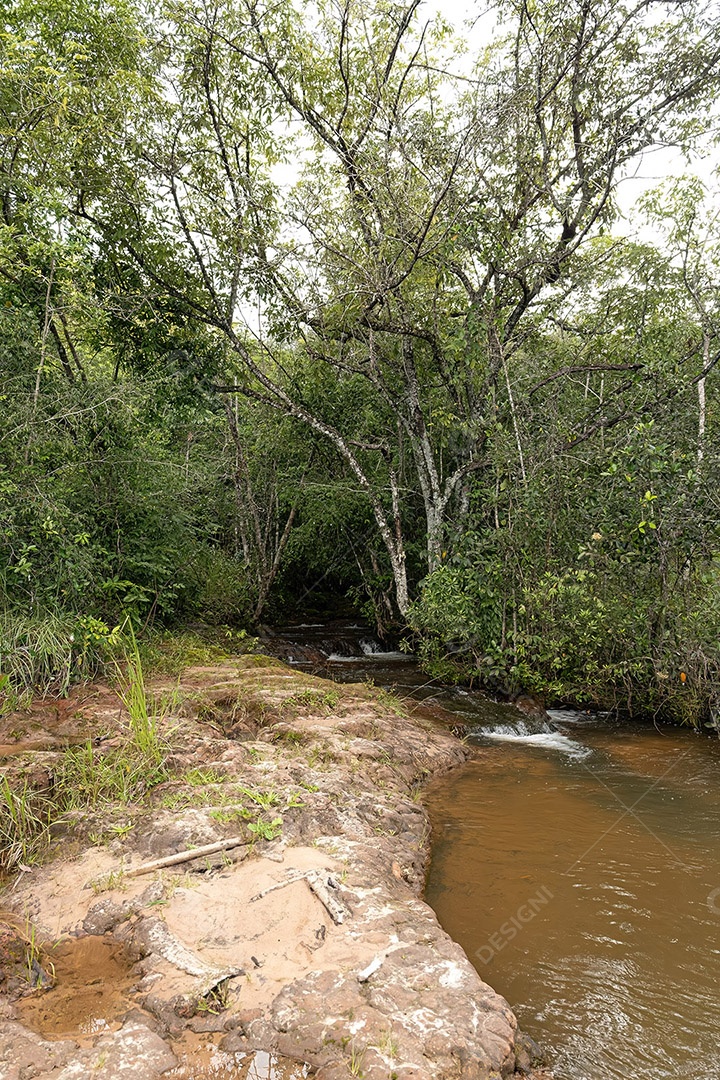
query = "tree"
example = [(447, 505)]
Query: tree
[(688, 217), (427, 221), (595, 578), (105, 513)]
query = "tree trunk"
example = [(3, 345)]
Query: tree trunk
[(701, 400)]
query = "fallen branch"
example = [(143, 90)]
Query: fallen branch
[(154, 934), (278, 885), (319, 883), (185, 856)]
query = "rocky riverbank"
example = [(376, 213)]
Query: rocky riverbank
[(301, 946)]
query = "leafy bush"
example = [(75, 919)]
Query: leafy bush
[(583, 634)]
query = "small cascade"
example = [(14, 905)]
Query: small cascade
[(372, 648), (340, 648), (534, 732), (329, 643), (522, 729)]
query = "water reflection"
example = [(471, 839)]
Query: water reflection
[(208, 1062)]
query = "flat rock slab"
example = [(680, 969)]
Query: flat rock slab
[(132, 1053), (246, 955)]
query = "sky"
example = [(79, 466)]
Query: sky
[(645, 173)]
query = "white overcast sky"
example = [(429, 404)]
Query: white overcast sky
[(647, 172)]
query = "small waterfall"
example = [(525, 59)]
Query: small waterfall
[(320, 643), (372, 648), (534, 732), (340, 648), (523, 729)]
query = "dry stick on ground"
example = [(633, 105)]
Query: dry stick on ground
[(319, 883), (185, 856), (277, 885)]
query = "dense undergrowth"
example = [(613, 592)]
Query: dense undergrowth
[(568, 645), (47, 654), (598, 582)]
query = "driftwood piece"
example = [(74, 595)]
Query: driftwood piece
[(185, 856), (155, 935), (276, 886), (324, 885)]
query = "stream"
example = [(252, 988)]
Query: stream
[(577, 861)]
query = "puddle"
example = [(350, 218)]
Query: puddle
[(207, 1062), (27, 746), (93, 991), (94, 979)]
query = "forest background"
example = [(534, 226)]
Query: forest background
[(310, 306)]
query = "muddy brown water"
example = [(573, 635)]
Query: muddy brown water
[(25, 746), (93, 981), (577, 862), (586, 890), (208, 1062)]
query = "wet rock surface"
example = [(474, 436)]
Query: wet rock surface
[(308, 940)]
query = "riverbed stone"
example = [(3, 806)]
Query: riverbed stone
[(132, 1053), (528, 1055), (108, 913), (247, 949), (25, 1056), (167, 832)]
